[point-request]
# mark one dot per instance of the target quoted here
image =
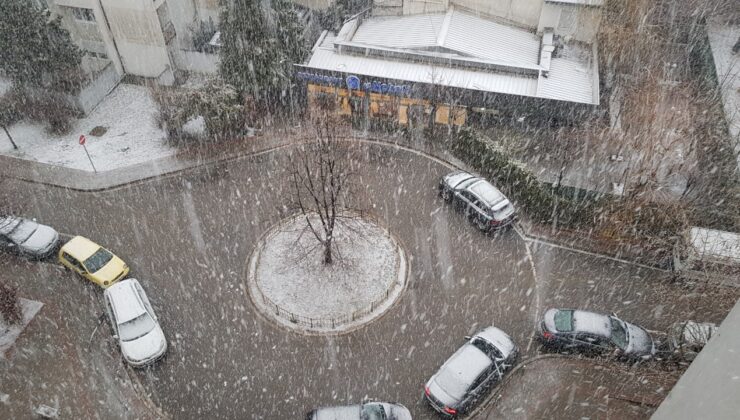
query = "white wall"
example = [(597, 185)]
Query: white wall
[(522, 12), (578, 22), (197, 62), (412, 7)]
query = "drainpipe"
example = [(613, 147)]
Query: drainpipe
[(112, 36)]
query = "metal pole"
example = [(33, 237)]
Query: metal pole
[(15, 146), (89, 158)]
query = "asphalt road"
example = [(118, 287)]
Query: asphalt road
[(188, 237)]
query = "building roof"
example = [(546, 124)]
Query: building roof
[(710, 386), (462, 50), (715, 245), (597, 3)]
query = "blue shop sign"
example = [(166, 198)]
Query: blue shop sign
[(353, 82)]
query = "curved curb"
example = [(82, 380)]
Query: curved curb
[(251, 289)]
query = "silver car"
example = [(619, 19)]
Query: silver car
[(26, 237), (594, 333), (135, 325), (469, 373), (483, 204), (367, 411)]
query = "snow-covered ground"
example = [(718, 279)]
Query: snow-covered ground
[(128, 114), (290, 271), (10, 333)]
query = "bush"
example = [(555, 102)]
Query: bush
[(52, 109), (218, 103), (10, 306)]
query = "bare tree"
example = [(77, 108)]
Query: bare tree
[(320, 174)]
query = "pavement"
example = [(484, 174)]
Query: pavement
[(187, 237), (554, 386)]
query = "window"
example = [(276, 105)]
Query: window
[(83, 14), (564, 321)]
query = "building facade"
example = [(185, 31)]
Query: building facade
[(452, 63)]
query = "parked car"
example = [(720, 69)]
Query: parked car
[(687, 338), (135, 325), (26, 237), (595, 333), (92, 261), (365, 411), (469, 373), (483, 204)]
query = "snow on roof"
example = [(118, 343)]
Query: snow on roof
[(498, 338), (597, 3), (461, 370), (125, 300), (457, 49), (80, 247), (592, 323), (722, 39), (715, 244), (490, 194)]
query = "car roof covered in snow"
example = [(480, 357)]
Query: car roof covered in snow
[(487, 192), (499, 339), (461, 370), (591, 323), (80, 247), (125, 299)]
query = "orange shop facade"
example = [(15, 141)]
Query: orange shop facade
[(367, 98)]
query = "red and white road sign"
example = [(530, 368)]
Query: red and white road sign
[(82, 139)]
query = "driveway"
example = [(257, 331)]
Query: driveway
[(187, 238)]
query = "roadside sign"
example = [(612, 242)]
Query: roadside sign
[(82, 139)]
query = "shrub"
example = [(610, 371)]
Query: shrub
[(10, 306)]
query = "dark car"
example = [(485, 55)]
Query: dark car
[(26, 237), (366, 411), (565, 329), (483, 204), (470, 373)]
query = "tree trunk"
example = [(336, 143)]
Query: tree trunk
[(7, 133), (327, 252)]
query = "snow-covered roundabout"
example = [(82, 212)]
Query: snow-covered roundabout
[(289, 282)]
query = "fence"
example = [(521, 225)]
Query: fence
[(334, 322), (326, 322)]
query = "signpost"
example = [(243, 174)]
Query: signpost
[(82, 143)]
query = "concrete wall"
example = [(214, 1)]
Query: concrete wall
[(138, 34), (314, 4), (91, 95), (413, 7), (522, 12), (578, 22)]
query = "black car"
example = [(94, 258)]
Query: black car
[(483, 204), (584, 331)]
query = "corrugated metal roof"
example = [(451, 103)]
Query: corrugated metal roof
[(579, 2), (509, 83), (416, 31), (481, 38), (567, 81)]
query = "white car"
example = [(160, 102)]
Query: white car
[(366, 411), (135, 325), (26, 237)]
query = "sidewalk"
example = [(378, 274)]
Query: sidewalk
[(65, 358), (553, 386)]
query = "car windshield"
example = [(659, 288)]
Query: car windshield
[(99, 259), (564, 321), (373, 412), (136, 328), (619, 333), (22, 232), (487, 348)]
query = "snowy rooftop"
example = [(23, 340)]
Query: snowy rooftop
[(716, 244), (463, 50)]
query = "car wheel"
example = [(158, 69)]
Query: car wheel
[(481, 224), (446, 194)]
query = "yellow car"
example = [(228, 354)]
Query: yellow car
[(92, 261)]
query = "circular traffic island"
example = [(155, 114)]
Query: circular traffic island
[(290, 282)]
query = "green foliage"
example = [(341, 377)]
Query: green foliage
[(35, 50), (261, 42), (217, 102)]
